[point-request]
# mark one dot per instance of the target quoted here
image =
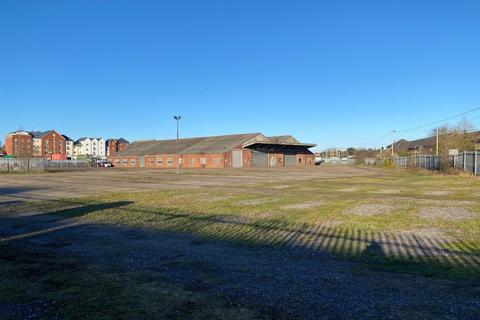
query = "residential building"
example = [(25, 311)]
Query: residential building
[(115, 145), (48, 144), (19, 144), (68, 147), (90, 147), (229, 151), (429, 145)]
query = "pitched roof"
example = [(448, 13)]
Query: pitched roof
[(121, 140), (283, 139), (40, 134), (216, 144), (66, 138)]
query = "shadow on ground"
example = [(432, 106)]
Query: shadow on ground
[(277, 270)]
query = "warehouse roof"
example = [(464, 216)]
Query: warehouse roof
[(283, 139), (216, 144)]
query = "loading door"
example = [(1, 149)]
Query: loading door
[(259, 159), (290, 160), (273, 160), (236, 158)]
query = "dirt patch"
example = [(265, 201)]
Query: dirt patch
[(387, 191), (280, 187), (303, 205), (216, 198), (446, 213), (348, 190), (437, 193), (370, 210), (256, 202)]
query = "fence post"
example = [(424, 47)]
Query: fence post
[(464, 160), (475, 162)]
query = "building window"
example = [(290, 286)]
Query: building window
[(203, 161), (216, 161), (159, 162), (169, 162), (192, 161), (124, 162), (133, 162)]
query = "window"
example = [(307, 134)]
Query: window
[(216, 161), (117, 161), (133, 162), (203, 161), (159, 162), (152, 161), (169, 162), (192, 161), (124, 162)]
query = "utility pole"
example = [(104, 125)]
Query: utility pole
[(178, 143), (393, 143), (437, 140)]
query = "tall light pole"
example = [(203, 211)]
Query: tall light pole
[(178, 118)]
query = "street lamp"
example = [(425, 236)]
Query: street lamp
[(178, 118)]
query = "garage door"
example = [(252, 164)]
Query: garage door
[(236, 159), (290, 159), (259, 159)]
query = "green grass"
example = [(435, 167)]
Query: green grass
[(308, 214), (263, 214), (76, 290)]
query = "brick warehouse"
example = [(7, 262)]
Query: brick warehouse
[(229, 151)]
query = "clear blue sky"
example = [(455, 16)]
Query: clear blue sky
[(335, 73)]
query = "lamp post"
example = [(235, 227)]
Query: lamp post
[(178, 118)]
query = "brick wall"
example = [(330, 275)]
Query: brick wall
[(19, 145), (53, 143)]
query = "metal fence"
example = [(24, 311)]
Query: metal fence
[(420, 161), (39, 165), (468, 161)]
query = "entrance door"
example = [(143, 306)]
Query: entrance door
[(236, 158)]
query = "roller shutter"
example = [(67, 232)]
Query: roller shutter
[(290, 160), (259, 159)]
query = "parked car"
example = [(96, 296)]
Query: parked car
[(104, 164)]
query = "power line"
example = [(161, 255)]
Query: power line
[(439, 121), (422, 126)]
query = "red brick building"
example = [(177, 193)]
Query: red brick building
[(49, 145), (19, 144), (116, 145), (230, 151)]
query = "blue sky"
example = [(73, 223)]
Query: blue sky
[(335, 73)]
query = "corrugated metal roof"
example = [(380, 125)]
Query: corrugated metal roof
[(216, 144)]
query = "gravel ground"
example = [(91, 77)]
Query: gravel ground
[(370, 210), (304, 205), (296, 282), (446, 213)]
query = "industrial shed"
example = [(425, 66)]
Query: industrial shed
[(229, 151)]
